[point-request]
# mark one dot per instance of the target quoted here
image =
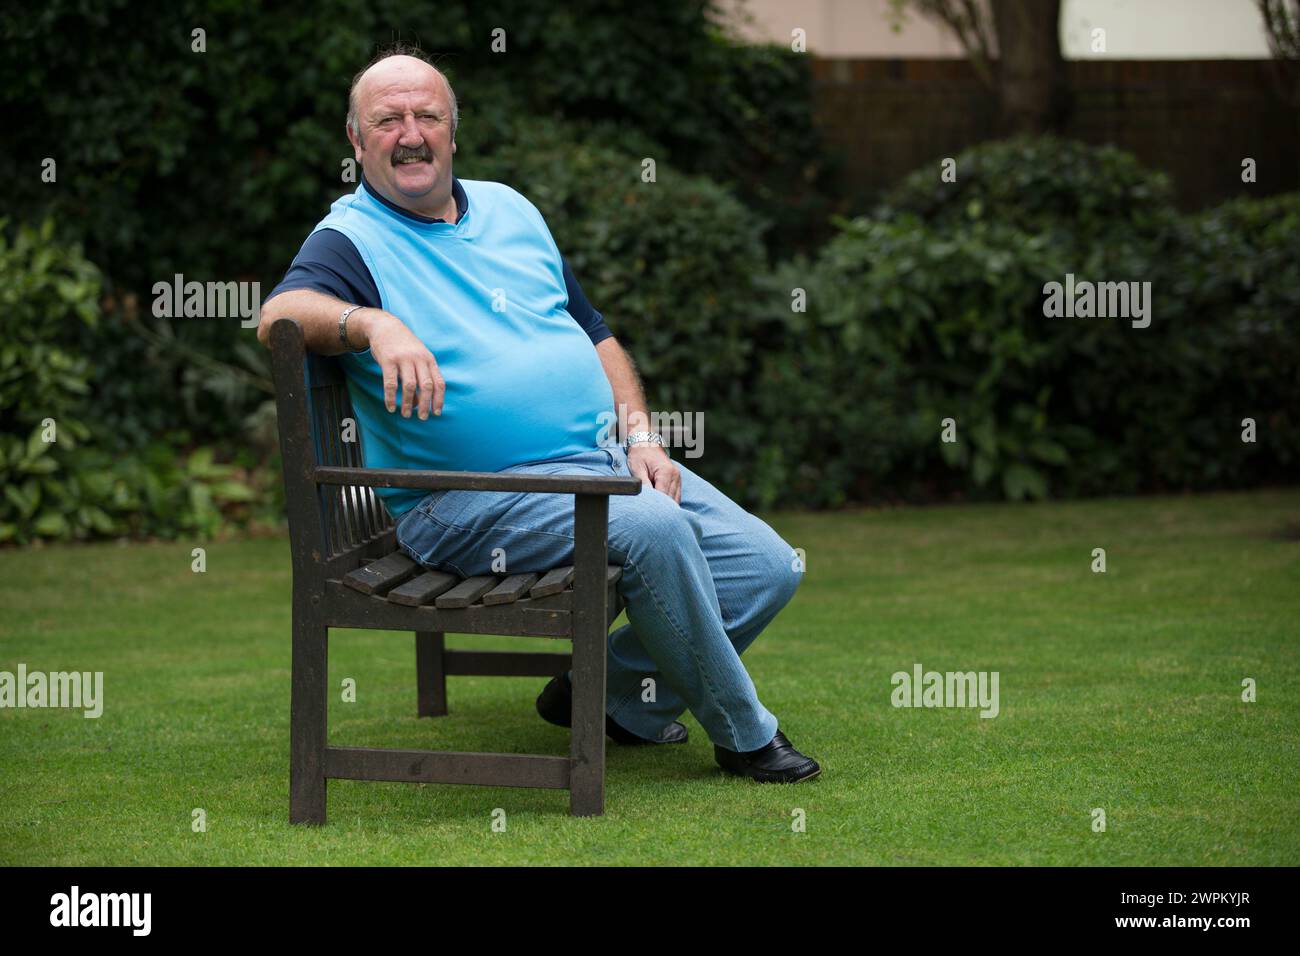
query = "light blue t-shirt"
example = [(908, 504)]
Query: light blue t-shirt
[(486, 296)]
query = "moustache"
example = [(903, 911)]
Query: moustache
[(402, 153)]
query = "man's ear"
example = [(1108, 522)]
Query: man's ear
[(356, 143)]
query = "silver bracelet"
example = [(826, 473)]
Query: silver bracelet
[(343, 328)]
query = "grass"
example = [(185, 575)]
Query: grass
[(1119, 691)]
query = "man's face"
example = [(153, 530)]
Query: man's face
[(406, 144)]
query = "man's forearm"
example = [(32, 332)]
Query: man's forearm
[(629, 397), (648, 462), (318, 314), (410, 371)]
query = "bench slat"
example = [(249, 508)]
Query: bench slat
[(378, 577), (511, 589), (421, 590), (552, 582), (404, 582), (467, 592)]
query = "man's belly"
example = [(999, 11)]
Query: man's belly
[(546, 399)]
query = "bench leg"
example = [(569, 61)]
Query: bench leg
[(587, 737), (430, 675), (590, 652), (308, 727)]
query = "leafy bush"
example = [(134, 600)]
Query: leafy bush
[(1079, 195), (62, 472), (1232, 351), (43, 287), (906, 327), (933, 309)]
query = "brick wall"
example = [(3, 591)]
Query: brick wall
[(1194, 119)]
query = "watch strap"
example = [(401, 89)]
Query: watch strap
[(637, 438)]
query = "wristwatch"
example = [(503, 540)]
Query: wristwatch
[(636, 438)]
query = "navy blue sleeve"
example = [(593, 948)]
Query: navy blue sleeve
[(592, 322), (329, 263)]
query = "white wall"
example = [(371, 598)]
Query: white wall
[(1135, 29), (1165, 29)]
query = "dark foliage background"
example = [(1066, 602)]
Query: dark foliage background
[(215, 165)]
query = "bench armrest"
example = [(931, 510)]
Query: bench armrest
[(475, 481)]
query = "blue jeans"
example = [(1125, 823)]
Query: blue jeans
[(700, 582)]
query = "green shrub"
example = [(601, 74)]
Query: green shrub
[(932, 309), (63, 473), (906, 327), (44, 286), (1232, 352), (1081, 196)]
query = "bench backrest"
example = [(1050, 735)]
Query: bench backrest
[(334, 525), (351, 515)]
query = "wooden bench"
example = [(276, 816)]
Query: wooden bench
[(349, 572)]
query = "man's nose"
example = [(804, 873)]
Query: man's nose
[(411, 135)]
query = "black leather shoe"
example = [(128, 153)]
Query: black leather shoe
[(778, 762), (555, 704)]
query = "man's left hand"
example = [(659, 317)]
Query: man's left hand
[(652, 465)]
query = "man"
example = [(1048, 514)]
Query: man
[(418, 274)]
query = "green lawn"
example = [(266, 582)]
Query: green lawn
[(1119, 691)]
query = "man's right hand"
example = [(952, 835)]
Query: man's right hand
[(403, 359), (401, 356)]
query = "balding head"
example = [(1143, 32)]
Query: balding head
[(401, 66)]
